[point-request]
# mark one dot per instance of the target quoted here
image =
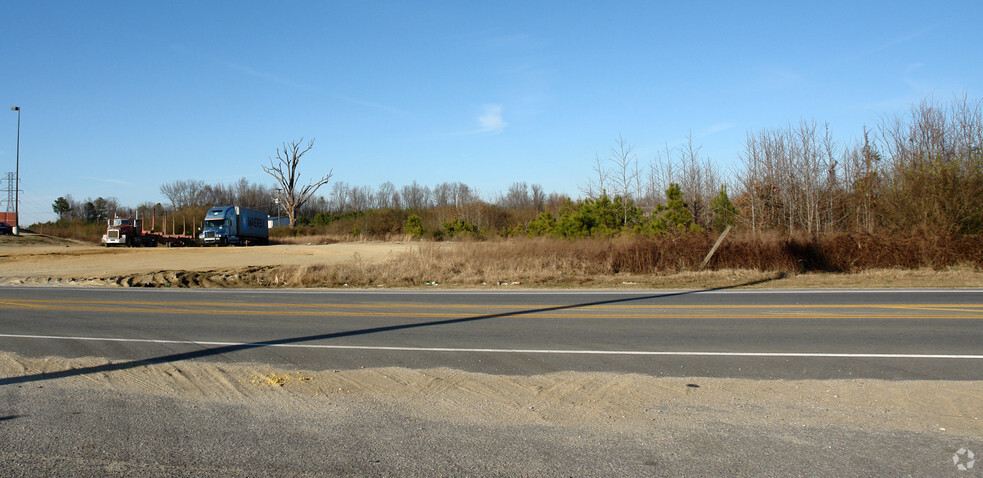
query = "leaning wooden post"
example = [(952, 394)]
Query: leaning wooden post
[(715, 246)]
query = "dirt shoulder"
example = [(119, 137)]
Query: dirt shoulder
[(43, 260), (199, 419), (565, 398)]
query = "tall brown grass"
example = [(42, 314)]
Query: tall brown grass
[(558, 262), (79, 231)]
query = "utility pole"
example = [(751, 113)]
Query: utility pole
[(17, 174)]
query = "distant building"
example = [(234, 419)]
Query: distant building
[(278, 221)]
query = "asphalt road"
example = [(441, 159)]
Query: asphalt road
[(934, 334), (51, 429)]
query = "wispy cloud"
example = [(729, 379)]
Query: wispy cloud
[(697, 135), (372, 105), (248, 70), (897, 40), (489, 121), (917, 91), (715, 129), (273, 78), (106, 180), (267, 76), (778, 77)]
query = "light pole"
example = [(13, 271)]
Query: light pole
[(277, 199), (17, 177)]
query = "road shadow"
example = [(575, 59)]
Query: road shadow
[(225, 349)]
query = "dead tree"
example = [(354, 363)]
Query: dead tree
[(283, 168)]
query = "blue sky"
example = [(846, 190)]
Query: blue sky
[(118, 98)]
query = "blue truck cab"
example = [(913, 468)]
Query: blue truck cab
[(233, 225)]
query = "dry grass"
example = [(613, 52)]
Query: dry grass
[(35, 240), (323, 239), (622, 263), (90, 233), (308, 239)]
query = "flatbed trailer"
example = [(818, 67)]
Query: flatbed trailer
[(174, 239), (129, 232)]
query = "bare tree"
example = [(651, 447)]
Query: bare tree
[(933, 176), (284, 170), (538, 197), (625, 173), (253, 196), (360, 198), (517, 197), (662, 172), (699, 181), (182, 194), (219, 194), (339, 197), (750, 180), (388, 196), (443, 194), (468, 205), (415, 197), (596, 187)]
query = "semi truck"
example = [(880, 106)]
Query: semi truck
[(234, 225), (125, 231), (129, 232)]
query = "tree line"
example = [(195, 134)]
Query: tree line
[(182, 195), (915, 173)]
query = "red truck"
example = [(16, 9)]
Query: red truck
[(125, 231)]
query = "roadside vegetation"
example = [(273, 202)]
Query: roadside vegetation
[(667, 261), (907, 193)]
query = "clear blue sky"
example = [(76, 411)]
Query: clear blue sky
[(121, 97)]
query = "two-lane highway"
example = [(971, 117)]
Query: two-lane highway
[(933, 334)]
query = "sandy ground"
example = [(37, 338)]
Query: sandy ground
[(54, 261), (568, 398), (201, 419)]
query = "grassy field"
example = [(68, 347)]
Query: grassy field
[(605, 264)]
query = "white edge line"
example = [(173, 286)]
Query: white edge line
[(517, 351)]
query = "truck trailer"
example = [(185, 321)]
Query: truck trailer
[(234, 225), (129, 232)]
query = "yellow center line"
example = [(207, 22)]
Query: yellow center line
[(539, 312), (940, 307)]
